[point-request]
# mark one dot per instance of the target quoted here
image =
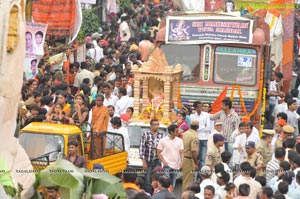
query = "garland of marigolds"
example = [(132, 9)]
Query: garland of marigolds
[(260, 92), (263, 109)]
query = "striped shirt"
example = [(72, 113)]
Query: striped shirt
[(230, 122), (148, 145), (272, 169)]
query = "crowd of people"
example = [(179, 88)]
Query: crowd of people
[(220, 155)]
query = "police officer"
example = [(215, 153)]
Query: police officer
[(264, 147), (288, 131), (214, 155), (255, 159), (190, 157)]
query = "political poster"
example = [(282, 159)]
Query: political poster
[(34, 48), (35, 38), (31, 69)]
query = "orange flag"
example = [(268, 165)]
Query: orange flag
[(217, 105)]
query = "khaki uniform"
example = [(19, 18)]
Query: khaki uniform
[(254, 160), (213, 156), (265, 151), (279, 143), (190, 143)]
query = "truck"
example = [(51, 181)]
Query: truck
[(45, 142), (219, 52)]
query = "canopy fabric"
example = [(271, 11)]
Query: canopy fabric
[(62, 16)]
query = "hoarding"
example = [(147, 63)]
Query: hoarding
[(212, 29)]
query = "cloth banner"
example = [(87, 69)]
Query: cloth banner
[(63, 17), (57, 61)]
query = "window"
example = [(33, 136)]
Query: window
[(46, 145), (235, 65), (186, 55)]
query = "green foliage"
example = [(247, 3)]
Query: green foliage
[(11, 191), (125, 4), (73, 181), (90, 23)]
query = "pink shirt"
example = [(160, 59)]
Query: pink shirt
[(171, 149)]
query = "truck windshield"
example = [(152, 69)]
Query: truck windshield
[(41, 146), (235, 65), (188, 56), (135, 133)]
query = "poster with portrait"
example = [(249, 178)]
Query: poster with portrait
[(31, 69), (35, 37)]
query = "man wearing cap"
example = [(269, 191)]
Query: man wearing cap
[(255, 159), (217, 130), (278, 129), (264, 148), (190, 154), (287, 133), (214, 155)]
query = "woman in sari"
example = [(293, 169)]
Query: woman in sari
[(80, 112), (62, 99)]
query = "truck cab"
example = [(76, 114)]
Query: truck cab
[(45, 142)]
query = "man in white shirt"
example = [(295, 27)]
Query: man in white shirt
[(292, 115), (222, 180), (124, 102), (206, 173), (98, 50), (170, 153), (282, 107), (203, 130), (84, 73), (274, 92), (118, 128), (124, 29), (236, 154), (241, 140), (109, 98), (111, 113)]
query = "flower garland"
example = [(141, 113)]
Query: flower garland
[(260, 93), (232, 92), (242, 101), (263, 109)]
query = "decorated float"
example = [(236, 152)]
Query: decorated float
[(156, 88)]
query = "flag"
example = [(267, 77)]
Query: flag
[(217, 105)]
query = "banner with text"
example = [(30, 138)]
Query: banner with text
[(213, 29)]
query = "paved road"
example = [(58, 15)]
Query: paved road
[(178, 189)]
